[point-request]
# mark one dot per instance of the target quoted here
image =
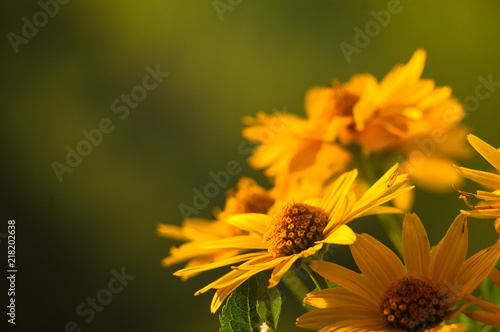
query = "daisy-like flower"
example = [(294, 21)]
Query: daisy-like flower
[(492, 314), (389, 297), (490, 207), (248, 198), (296, 231)]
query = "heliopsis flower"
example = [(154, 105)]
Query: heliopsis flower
[(248, 198), (296, 231), (492, 314), (403, 114), (490, 207), (389, 297)]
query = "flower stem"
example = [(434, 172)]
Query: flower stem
[(296, 286), (393, 229), (318, 280)]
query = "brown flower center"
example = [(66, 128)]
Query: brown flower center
[(249, 198), (295, 228), (414, 304), (344, 100)]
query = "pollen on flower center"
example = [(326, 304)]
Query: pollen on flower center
[(414, 304), (249, 198), (295, 228)]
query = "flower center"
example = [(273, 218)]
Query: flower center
[(295, 228), (414, 304), (344, 101), (257, 203), (249, 198)]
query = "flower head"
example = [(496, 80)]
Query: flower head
[(491, 200), (248, 198), (297, 230), (388, 296)]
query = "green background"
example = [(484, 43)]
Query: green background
[(263, 55)]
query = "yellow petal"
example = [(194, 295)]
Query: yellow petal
[(351, 316), (488, 318), (255, 223), (482, 303), (334, 297), (416, 248), (226, 280), (341, 235), (200, 261), (241, 242), (489, 153), (185, 252), (335, 200), (172, 232), (448, 328), (222, 294), (229, 282), (495, 277), (488, 179), (347, 279), (385, 210), (382, 191), (364, 324), (224, 262), (476, 269), (380, 183), (448, 256), (378, 263), (483, 213), (280, 270), (402, 75)]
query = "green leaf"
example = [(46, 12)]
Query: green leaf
[(268, 303), (250, 306)]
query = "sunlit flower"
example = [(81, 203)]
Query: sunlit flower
[(296, 231), (248, 198), (490, 206), (412, 117), (492, 314), (386, 296)]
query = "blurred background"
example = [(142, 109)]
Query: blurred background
[(224, 59)]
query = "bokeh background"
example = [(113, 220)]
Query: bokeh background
[(255, 56)]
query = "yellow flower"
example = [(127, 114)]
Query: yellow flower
[(492, 315), (296, 231), (248, 198), (411, 116), (388, 296), (491, 205)]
